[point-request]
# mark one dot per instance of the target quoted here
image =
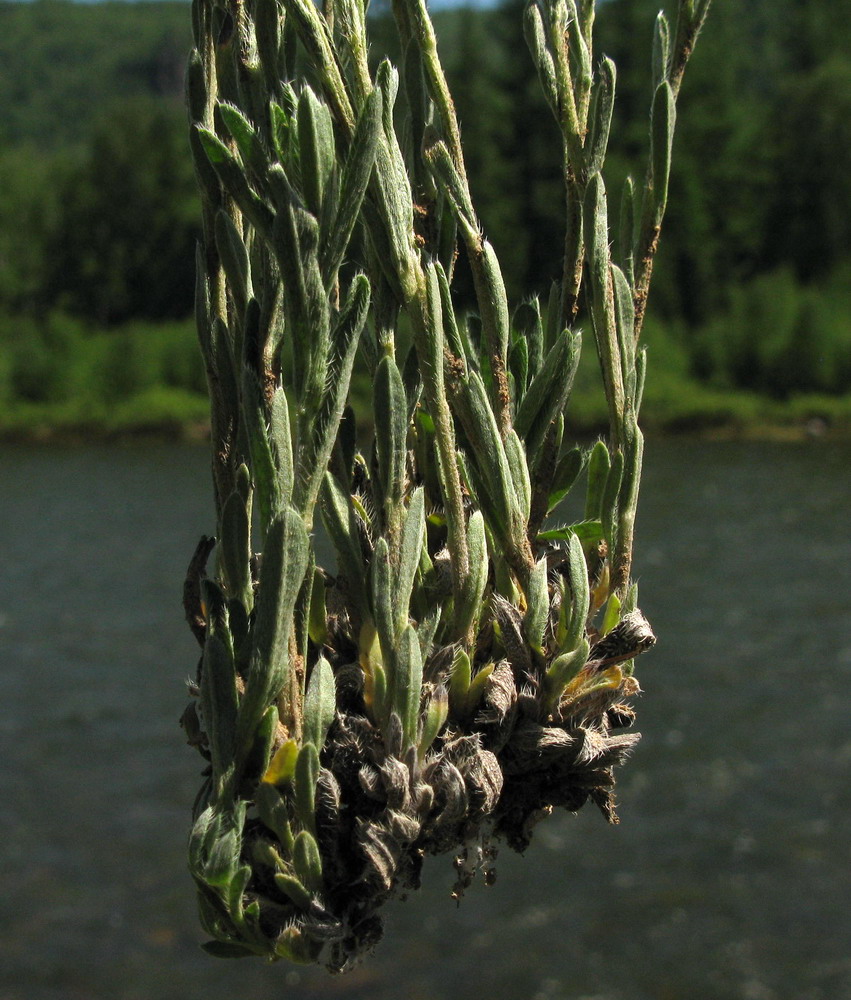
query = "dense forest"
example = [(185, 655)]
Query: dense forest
[(751, 306)]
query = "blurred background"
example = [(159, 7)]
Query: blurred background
[(729, 876)]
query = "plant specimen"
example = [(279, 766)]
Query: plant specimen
[(467, 664)]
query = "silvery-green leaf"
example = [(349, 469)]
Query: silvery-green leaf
[(219, 703), (625, 318), (273, 812), (304, 785), (245, 136), (280, 442), (407, 684), (662, 122), (467, 614), (391, 429), (548, 392), (234, 258), (563, 669), (527, 322), (317, 149), (537, 606), (436, 714), (410, 552), (516, 455), (235, 548), (285, 559), (338, 517), (353, 184), (315, 453), (459, 683), (599, 464), (533, 27), (320, 703), (265, 475), (307, 861), (567, 471), (232, 176), (626, 231), (580, 591), (602, 105), (609, 506), (293, 888), (661, 48)]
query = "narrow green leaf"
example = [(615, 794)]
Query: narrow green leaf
[(436, 714), (235, 543), (274, 814), (267, 19), (410, 552), (257, 759), (563, 669), (640, 374), (533, 28), (662, 122), (245, 136), (567, 471), (611, 615), (284, 564), (307, 861), (320, 703), (518, 364), (381, 578), (489, 452), (626, 231), (353, 183), (232, 176), (468, 611), (391, 430), (345, 337), (304, 785), (317, 624), (548, 393), (661, 48), (625, 318), (196, 87), (599, 464), (516, 455), (587, 531), (234, 258), (294, 889), (439, 160), (537, 606), (450, 325), (317, 149), (527, 321), (266, 482), (459, 684), (602, 105), (407, 685), (338, 516), (219, 703), (477, 687), (609, 505), (580, 591), (281, 446)]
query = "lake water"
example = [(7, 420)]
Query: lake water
[(727, 878)]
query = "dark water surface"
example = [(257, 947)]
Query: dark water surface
[(728, 878)]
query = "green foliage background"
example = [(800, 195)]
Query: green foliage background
[(751, 306)]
